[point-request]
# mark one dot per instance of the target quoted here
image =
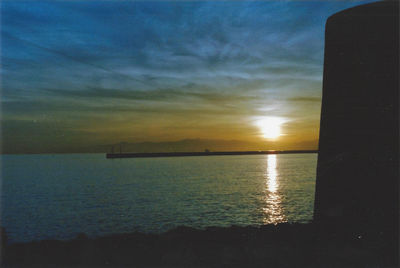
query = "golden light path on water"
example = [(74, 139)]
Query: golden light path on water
[(273, 210)]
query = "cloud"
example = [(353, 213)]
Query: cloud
[(305, 99), (162, 67)]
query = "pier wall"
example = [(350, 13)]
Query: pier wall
[(358, 162)]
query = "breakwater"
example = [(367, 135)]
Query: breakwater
[(177, 154)]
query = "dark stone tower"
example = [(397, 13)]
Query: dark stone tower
[(358, 170)]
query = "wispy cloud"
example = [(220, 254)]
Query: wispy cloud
[(104, 64)]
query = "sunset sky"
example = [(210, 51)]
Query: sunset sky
[(79, 74)]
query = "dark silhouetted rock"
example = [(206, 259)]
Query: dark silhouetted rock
[(283, 245)]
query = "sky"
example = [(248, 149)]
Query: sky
[(76, 75)]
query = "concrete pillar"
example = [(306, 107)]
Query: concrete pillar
[(358, 162)]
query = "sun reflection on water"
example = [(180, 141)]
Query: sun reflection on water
[(273, 212)]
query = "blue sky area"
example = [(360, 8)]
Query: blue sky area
[(88, 73)]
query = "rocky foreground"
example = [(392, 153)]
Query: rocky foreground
[(282, 245)]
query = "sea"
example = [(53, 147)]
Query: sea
[(58, 196)]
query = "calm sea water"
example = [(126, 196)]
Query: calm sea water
[(59, 196)]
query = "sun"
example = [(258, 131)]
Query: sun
[(270, 127)]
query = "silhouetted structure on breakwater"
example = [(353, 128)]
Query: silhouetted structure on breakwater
[(357, 175)]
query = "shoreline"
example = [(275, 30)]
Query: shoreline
[(281, 245)]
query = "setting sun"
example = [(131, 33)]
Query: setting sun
[(270, 127)]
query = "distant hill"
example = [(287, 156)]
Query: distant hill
[(200, 145), (186, 145)]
